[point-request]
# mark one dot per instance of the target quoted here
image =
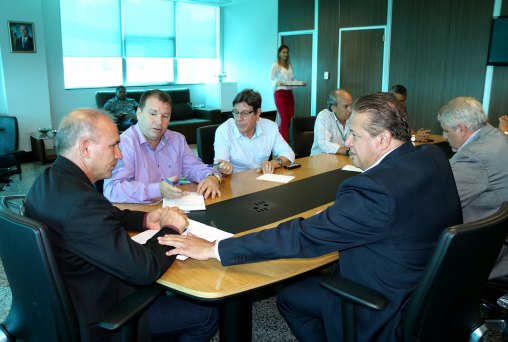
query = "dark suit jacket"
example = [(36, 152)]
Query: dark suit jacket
[(29, 45), (384, 222), (99, 262)]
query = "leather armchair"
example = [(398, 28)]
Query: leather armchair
[(10, 163), (445, 306), (41, 307), (301, 135)]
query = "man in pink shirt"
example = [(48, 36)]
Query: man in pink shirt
[(151, 153)]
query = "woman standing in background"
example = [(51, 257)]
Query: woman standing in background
[(283, 79)]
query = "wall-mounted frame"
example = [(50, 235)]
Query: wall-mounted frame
[(22, 36)]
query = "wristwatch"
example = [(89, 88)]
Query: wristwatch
[(279, 161), (216, 175)]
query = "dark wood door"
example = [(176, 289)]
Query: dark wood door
[(361, 61), (300, 53)]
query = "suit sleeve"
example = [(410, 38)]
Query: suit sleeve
[(100, 239), (358, 216), (470, 177)]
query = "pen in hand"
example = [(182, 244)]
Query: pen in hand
[(169, 182), (170, 191)]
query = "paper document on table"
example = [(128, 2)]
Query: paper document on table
[(197, 228), (351, 168), (188, 202), (275, 178)]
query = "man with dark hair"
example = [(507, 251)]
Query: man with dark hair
[(479, 165), (376, 223), (400, 92), (332, 124), (122, 107), (247, 141), (152, 153), (99, 262)]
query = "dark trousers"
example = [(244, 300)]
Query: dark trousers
[(312, 313), (182, 319), (285, 103)]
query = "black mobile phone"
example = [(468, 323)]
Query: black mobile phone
[(292, 166)]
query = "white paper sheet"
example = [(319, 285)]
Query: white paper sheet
[(188, 202), (351, 168), (197, 228), (276, 178)]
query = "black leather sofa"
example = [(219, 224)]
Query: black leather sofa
[(184, 118)]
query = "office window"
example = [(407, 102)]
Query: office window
[(92, 55), (196, 29), (132, 42)]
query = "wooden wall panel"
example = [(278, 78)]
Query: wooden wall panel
[(438, 48), (295, 15), (418, 56), (466, 76), (300, 52), (333, 15), (361, 70), (499, 95), (328, 40), (362, 13)]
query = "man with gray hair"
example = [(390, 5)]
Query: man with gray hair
[(479, 166), (332, 124), (383, 235), (99, 262)]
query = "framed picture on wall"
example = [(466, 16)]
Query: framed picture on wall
[(22, 36)]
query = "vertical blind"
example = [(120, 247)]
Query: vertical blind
[(133, 42)]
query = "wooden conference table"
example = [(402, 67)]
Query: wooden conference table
[(209, 280), (315, 185)]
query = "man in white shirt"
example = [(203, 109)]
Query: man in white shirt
[(247, 141), (332, 124)]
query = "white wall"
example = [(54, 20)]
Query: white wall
[(250, 46), (64, 100), (25, 77), (33, 82)]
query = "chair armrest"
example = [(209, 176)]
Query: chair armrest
[(4, 335), (129, 308), (17, 152), (209, 114), (355, 293)]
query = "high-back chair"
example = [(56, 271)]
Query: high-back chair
[(301, 135), (205, 137), (9, 155), (41, 307), (445, 305)]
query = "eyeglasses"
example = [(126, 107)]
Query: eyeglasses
[(244, 114)]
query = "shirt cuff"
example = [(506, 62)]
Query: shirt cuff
[(173, 228), (145, 225), (153, 190), (216, 250)]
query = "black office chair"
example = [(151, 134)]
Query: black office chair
[(205, 136), (41, 307), (445, 305), (301, 135), (10, 163)]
